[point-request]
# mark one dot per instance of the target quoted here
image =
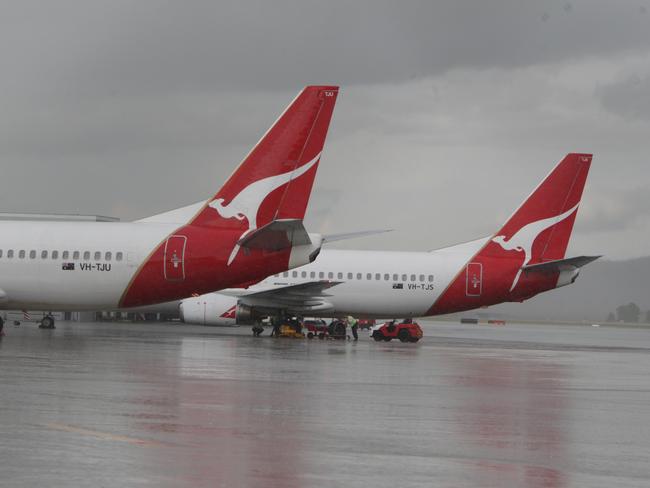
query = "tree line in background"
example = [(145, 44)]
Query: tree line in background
[(630, 313)]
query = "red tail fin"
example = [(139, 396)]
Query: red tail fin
[(275, 179), (541, 227), (537, 232)]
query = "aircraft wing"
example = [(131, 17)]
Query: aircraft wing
[(301, 297)]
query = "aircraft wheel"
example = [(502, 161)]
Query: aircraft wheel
[(47, 322), (404, 335)]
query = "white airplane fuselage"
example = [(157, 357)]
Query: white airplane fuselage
[(379, 284), (38, 282)]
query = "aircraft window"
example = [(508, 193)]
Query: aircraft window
[(21, 254), (377, 276), (304, 274), (118, 256), (321, 275), (75, 255), (421, 277), (10, 253), (43, 254), (98, 255), (294, 274), (430, 278), (350, 276), (312, 274), (359, 276), (387, 277), (285, 274), (108, 256), (86, 255), (404, 277), (412, 277), (340, 276), (369, 276), (55, 254), (395, 277), (0, 253), (32, 254), (330, 275)]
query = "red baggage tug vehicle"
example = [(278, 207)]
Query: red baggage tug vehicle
[(405, 331)]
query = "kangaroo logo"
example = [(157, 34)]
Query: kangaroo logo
[(247, 203), (524, 239)]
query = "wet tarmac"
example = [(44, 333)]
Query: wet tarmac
[(167, 405)]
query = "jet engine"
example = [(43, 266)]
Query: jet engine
[(218, 309), (210, 309)]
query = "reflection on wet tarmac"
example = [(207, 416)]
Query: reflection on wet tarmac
[(170, 405)]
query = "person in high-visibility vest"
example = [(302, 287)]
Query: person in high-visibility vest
[(353, 323)]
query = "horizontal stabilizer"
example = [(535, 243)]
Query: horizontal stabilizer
[(560, 264), (276, 235), (353, 235)]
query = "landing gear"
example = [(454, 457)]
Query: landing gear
[(47, 322)]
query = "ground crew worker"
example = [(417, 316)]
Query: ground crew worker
[(257, 329), (276, 326), (353, 323)]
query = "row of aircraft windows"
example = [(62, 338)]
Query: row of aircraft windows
[(74, 255), (359, 276)]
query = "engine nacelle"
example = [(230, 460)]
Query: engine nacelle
[(209, 309), (218, 309)]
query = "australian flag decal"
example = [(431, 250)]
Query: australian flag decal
[(67, 266), (398, 286)]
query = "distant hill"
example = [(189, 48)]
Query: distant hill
[(601, 287)]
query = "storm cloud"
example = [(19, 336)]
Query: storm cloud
[(449, 113)]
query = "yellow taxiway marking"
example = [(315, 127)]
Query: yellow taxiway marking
[(101, 435)]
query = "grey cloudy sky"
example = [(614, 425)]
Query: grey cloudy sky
[(450, 111)]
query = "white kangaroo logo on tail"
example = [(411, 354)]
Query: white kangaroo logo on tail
[(248, 201), (524, 239)]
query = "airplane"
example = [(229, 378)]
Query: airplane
[(251, 228), (525, 257)]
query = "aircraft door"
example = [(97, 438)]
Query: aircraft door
[(474, 279), (174, 258)]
